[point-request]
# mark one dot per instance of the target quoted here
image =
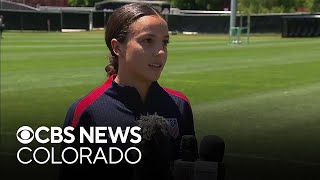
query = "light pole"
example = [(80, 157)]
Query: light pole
[(233, 15), (1, 77)]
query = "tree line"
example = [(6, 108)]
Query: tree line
[(278, 6), (252, 6), (245, 6)]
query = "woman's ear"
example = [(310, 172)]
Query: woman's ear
[(116, 46)]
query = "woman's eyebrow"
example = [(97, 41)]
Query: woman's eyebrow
[(152, 35), (147, 34)]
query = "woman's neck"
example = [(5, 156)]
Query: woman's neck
[(141, 86)]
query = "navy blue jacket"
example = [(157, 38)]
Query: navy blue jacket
[(120, 106)]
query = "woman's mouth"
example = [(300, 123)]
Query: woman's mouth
[(154, 65)]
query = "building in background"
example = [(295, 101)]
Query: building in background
[(37, 3)]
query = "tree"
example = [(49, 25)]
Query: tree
[(316, 6), (306, 4), (210, 4), (275, 6), (83, 3), (200, 4), (184, 4), (250, 6)]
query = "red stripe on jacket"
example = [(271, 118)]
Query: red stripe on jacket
[(89, 99), (177, 93)]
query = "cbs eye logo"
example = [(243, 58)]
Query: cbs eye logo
[(25, 134)]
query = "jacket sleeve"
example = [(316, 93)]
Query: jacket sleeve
[(188, 121), (70, 171), (88, 170), (187, 125)]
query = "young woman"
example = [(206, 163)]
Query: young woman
[(137, 38)]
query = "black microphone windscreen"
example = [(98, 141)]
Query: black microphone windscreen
[(156, 149), (188, 148), (153, 125), (155, 136), (212, 148)]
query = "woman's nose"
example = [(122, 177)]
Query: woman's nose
[(161, 52)]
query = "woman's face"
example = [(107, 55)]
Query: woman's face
[(144, 54)]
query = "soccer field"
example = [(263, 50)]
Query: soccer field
[(262, 98)]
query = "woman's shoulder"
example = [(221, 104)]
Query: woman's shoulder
[(176, 95), (81, 105)]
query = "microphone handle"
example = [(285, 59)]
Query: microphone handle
[(183, 170), (205, 170)]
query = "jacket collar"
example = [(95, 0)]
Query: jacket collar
[(131, 98)]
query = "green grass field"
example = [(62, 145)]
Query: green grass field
[(262, 98)]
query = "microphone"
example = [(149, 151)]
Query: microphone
[(184, 167), (188, 148), (208, 167), (205, 170), (212, 148), (156, 148), (211, 152)]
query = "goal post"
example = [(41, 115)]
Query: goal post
[(237, 32)]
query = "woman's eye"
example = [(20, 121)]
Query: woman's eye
[(149, 40), (165, 42)]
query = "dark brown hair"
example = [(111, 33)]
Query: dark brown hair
[(118, 28)]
